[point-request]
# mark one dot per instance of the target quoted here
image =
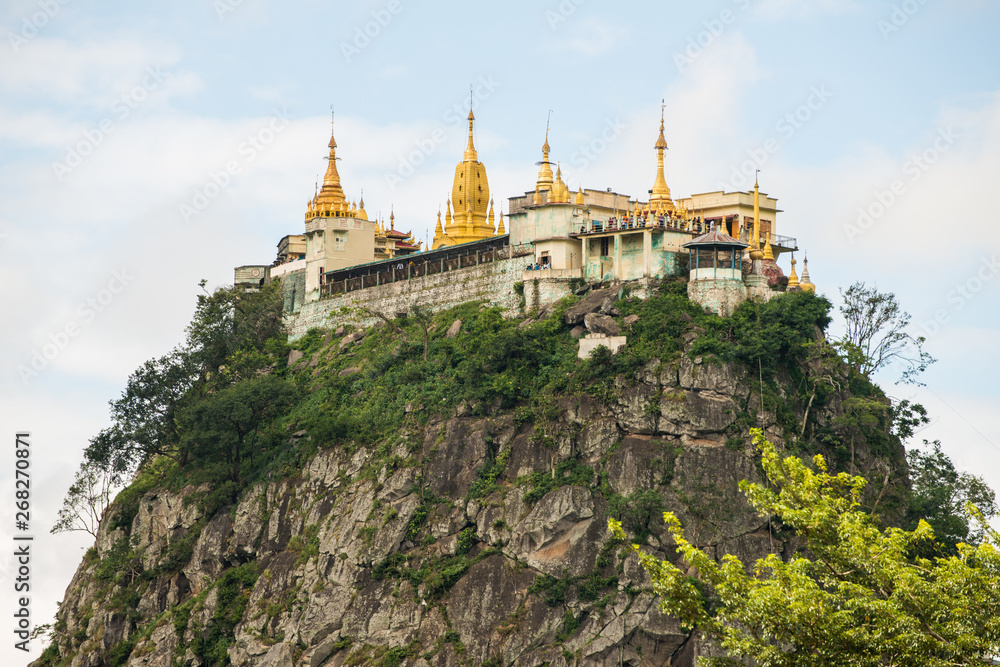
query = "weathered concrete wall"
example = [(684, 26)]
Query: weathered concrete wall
[(293, 288), (492, 282), (541, 291), (720, 296)]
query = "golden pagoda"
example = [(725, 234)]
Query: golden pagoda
[(559, 194), (793, 280), (329, 201), (660, 200), (471, 195), (545, 180)]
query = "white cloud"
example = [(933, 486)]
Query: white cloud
[(588, 37), (779, 9), (92, 74)]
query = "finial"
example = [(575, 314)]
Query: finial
[(663, 108), (470, 150), (793, 280), (392, 217)]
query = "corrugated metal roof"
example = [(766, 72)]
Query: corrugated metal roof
[(715, 237)]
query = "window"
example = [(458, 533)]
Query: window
[(339, 241), (605, 246)]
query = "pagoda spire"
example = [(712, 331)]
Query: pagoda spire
[(806, 283), (661, 193), (470, 150), (793, 280), (755, 252), (545, 180), (332, 188)]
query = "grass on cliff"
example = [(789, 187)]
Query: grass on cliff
[(380, 391)]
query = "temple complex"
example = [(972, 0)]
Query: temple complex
[(725, 243)]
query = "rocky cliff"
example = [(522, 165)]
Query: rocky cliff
[(475, 536)]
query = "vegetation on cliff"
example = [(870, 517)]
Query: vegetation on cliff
[(227, 414), (856, 595)]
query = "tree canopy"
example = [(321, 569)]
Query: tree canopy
[(940, 493), (856, 595), (876, 334)]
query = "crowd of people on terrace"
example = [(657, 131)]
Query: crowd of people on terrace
[(641, 220)]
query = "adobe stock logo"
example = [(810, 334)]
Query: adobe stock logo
[(366, 34), (914, 168), (962, 294)]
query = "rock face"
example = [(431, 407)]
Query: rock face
[(424, 561)]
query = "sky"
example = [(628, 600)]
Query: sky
[(147, 146)]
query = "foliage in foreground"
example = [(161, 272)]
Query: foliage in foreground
[(860, 597)]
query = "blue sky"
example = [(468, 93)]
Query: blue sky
[(113, 116)]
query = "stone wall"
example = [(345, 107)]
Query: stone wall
[(720, 296), (541, 291), (492, 282)]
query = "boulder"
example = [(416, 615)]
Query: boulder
[(578, 332), (589, 304), (453, 330), (351, 339), (601, 324)]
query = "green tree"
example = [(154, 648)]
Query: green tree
[(876, 334), (226, 425), (84, 504), (232, 320), (145, 416), (859, 598), (940, 494)]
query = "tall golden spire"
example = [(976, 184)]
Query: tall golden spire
[(447, 215), (438, 231), (331, 192), (500, 230), (755, 252), (329, 201), (492, 217), (470, 193), (470, 150), (661, 193), (545, 181)]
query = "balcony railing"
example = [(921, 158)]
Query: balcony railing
[(786, 242), (634, 224)]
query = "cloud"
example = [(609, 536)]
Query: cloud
[(589, 37), (92, 74), (781, 9)]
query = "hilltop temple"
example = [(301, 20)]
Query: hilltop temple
[(726, 243)]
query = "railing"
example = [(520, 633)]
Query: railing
[(420, 265), (630, 224), (780, 241)]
